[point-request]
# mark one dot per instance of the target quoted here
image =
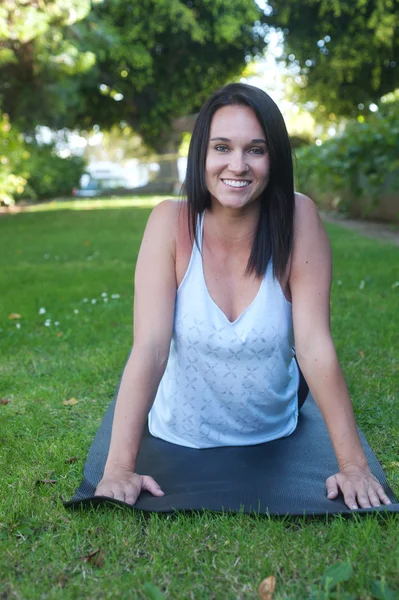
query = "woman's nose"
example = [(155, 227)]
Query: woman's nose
[(237, 163)]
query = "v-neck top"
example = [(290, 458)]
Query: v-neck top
[(227, 383)]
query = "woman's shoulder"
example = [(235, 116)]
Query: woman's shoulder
[(310, 236), (306, 216), (304, 204), (169, 220)]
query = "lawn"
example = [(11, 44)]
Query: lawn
[(67, 279)]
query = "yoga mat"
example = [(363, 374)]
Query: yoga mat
[(285, 476)]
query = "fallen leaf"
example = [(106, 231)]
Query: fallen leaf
[(46, 481), (4, 401), (361, 353), (70, 402), (86, 243), (96, 558), (71, 460), (14, 316), (60, 334), (266, 588)]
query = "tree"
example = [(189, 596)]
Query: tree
[(346, 51), (141, 62), (39, 60)]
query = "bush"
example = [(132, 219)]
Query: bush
[(362, 163), (47, 174), (30, 170), (11, 150)]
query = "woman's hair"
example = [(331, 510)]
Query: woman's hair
[(275, 231)]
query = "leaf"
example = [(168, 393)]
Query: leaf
[(86, 243), (335, 574), (60, 334), (70, 402), (361, 353), (382, 591), (4, 401), (14, 316), (69, 461), (153, 592), (266, 588), (95, 558)]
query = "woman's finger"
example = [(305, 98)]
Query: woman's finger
[(149, 484), (373, 497), (382, 495), (131, 494), (363, 499), (104, 491), (119, 493), (349, 497), (332, 487)]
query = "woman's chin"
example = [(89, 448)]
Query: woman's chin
[(236, 202)]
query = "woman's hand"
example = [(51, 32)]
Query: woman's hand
[(359, 487), (122, 484)]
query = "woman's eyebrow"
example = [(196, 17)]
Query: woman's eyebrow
[(223, 139)]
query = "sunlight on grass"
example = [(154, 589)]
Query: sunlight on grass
[(98, 203)]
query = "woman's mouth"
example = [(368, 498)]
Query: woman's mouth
[(236, 183)]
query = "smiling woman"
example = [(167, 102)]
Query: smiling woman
[(232, 292)]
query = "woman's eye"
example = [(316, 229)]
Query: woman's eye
[(221, 148), (257, 151)]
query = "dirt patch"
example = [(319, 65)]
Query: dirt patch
[(371, 229)]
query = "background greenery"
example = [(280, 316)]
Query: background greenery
[(137, 67), (361, 163), (66, 258)]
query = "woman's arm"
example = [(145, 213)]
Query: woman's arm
[(154, 301), (310, 284)]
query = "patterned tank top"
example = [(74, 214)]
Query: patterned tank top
[(227, 383)]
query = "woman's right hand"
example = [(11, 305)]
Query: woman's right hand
[(122, 484)]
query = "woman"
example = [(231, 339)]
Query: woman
[(224, 283)]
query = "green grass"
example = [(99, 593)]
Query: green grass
[(54, 259)]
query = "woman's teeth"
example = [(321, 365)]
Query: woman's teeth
[(234, 183)]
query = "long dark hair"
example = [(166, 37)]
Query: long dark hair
[(275, 230)]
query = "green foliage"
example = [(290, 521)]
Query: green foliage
[(347, 51), (48, 175), (12, 150), (39, 59), (30, 170), (362, 162), (142, 62), (382, 591)]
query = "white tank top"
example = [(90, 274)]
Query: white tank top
[(227, 383)]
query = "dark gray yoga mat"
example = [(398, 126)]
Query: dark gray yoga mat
[(286, 476)]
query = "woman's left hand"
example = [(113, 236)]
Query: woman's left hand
[(359, 487)]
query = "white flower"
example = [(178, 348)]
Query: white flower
[(42, 311), (104, 294), (105, 299), (47, 256), (18, 325), (76, 311), (94, 301), (396, 284), (115, 296), (56, 322), (361, 286), (339, 282), (47, 323), (85, 299)]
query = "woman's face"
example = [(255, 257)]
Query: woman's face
[(237, 161)]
